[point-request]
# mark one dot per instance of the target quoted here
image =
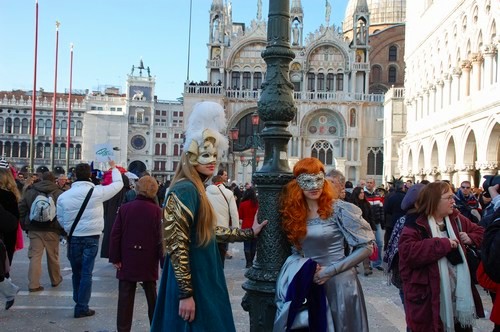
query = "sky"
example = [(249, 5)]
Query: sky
[(110, 36)]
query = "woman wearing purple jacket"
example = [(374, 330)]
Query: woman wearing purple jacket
[(135, 250)]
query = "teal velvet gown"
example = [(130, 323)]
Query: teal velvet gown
[(212, 307)]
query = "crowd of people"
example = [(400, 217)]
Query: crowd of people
[(434, 243)]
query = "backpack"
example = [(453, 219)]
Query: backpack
[(43, 209)]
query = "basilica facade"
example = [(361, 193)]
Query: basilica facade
[(338, 89)]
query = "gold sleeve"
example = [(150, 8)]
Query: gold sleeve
[(177, 219), (229, 234)]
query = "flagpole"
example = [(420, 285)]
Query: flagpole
[(68, 136), (33, 97), (189, 39), (54, 103)]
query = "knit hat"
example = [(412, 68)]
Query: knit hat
[(4, 164), (411, 196)]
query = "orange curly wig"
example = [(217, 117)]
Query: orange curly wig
[(294, 206)]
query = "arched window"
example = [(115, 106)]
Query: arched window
[(40, 127), (157, 149), (7, 149), (1, 148), (58, 128), (71, 151), (62, 151), (46, 151), (393, 53), (352, 118), (329, 82), (139, 117), (15, 149), (48, 127), (56, 152), (17, 125), (72, 127), (392, 74), (340, 82), (39, 151), (1, 125), (79, 128), (24, 150), (8, 126), (246, 80), (376, 74), (235, 80), (257, 80), (310, 81), (375, 161), (24, 126), (323, 150), (176, 149), (164, 149), (321, 82), (64, 127), (78, 152)]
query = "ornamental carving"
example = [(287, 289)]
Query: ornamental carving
[(486, 165), (457, 71), (466, 65), (489, 49), (477, 57), (464, 167)]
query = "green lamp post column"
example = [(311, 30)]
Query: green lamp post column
[(276, 109)]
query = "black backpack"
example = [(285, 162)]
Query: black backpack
[(490, 253)]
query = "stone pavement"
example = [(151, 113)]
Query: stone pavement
[(52, 309)]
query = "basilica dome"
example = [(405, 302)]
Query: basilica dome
[(383, 13)]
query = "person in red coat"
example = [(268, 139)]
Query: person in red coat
[(135, 250), (493, 287), (247, 210), (438, 292)]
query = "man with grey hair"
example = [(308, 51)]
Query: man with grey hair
[(337, 179)]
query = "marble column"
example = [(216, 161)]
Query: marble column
[(465, 79), (475, 83), (447, 90), (489, 52), (440, 95), (447, 172), (455, 85), (487, 168), (432, 99), (465, 172)]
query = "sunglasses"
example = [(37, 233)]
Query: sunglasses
[(465, 187)]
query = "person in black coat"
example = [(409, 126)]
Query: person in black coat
[(392, 209), (110, 210), (135, 250)]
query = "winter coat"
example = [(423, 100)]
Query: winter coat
[(492, 286), (247, 213), (92, 220), (392, 208), (377, 203), (225, 209), (47, 187), (136, 240), (419, 253)]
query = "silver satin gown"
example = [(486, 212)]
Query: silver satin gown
[(324, 243)]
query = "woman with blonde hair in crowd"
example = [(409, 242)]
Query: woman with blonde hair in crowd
[(438, 292), (193, 294), (317, 225)]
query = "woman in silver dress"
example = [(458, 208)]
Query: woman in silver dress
[(316, 224)]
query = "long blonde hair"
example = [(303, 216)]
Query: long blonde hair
[(8, 183), (206, 215)]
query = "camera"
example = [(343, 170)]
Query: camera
[(490, 180)]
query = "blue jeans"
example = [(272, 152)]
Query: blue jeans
[(379, 238), (82, 251)]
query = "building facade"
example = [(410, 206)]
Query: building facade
[(451, 92), (338, 120)]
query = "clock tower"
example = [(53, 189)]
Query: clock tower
[(140, 104)]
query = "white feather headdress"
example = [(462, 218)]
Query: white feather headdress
[(206, 115)]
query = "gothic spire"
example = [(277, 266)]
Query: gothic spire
[(296, 7), (217, 5), (362, 6)]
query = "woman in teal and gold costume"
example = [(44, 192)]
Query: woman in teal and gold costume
[(193, 294)]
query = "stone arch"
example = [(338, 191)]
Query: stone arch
[(420, 160), (240, 46), (410, 167), (450, 154), (469, 146), (492, 138), (434, 155), (332, 115)]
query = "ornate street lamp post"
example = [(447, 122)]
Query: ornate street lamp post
[(253, 142), (276, 109)]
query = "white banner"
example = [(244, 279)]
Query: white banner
[(103, 152)]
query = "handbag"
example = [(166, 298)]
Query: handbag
[(472, 255)]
